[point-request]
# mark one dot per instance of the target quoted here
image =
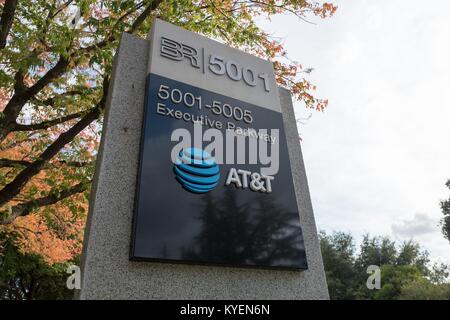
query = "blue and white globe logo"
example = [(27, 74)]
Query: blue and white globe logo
[(196, 170)]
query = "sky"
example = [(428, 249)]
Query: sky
[(378, 158)]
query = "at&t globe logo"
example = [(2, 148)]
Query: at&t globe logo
[(196, 170)]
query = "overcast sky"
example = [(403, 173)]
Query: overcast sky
[(378, 158)]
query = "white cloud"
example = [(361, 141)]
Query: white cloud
[(419, 225)]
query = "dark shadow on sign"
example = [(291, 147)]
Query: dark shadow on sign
[(256, 234)]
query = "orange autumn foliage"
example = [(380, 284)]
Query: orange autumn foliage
[(51, 231), (60, 243)]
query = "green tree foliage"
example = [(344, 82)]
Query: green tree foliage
[(421, 289), (338, 252), (445, 207), (28, 277), (393, 278), (403, 268)]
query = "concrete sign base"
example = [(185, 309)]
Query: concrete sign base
[(107, 272)]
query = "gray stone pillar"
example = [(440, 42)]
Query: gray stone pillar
[(106, 270)]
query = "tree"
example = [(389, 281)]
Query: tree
[(376, 251), (27, 276), (54, 79), (445, 207), (404, 267), (338, 252), (422, 289), (410, 253), (394, 278)]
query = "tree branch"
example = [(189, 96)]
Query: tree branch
[(47, 124), (19, 85), (26, 208), (51, 101), (141, 18), (58, 69), (9, 9), (63, 6), (13, 188), (21, 97), (10, 163)]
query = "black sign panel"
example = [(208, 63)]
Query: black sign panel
[(186, 213)]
